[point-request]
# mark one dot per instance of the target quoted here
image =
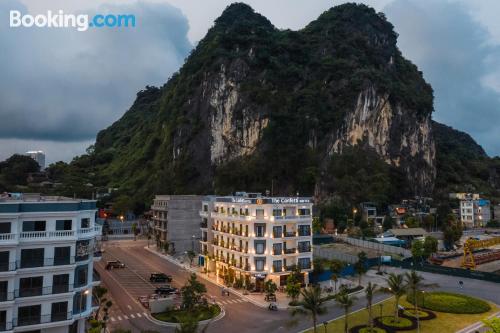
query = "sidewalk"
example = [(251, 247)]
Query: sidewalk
[(255, 298), (478, 326)]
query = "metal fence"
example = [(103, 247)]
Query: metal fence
[(382, 248), (331, 253), (460, 272)]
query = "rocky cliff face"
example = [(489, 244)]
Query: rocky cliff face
[(255, 108), (398, 137)]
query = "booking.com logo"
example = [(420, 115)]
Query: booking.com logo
[(81, 22)]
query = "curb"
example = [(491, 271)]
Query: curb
[(172, 260), (203, 322), (476, 325)]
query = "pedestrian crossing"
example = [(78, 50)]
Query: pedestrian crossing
[(231, 301), (129, 316)]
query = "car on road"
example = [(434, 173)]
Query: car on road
[(166, 290), (114, 264), (160, 277)]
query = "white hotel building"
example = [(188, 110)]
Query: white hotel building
[(47, 251), (256, 237)]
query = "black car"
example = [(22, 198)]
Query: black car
[(114, 264), (165, 290), (160, 277)]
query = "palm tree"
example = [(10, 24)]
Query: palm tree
[(311, 304), (346, 302), (336, 267), (413, 284), (370, 290), (397, 288)]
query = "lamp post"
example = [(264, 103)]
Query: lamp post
[(354, 212), (325, 324)]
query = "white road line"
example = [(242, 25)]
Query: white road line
[(132, 316), (145, 314), (125, 316), (119, 318), (113, 319), (138, 315), (129, 307)]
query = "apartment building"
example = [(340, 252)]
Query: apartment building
[(257, 238), (475, 212), (47, 249), (176, 222)]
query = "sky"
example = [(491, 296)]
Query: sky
[(60, 87)]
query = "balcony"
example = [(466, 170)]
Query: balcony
[(290, 251), (203, 225), (305, 266), (45, 262), (290, 234), (43, 319), (40, 291), (277, 253), (305, 233), (8, 238), (28, 236)]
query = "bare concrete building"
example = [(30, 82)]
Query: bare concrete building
[(176, 222)]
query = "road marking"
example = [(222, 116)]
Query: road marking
[(113, 319), (119, 318), (145, 314), (138, 314), (125, 316), (132, 316), (129, 307)]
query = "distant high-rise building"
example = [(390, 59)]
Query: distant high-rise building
[(38, 156)]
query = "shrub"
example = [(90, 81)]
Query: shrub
[(450, 303)]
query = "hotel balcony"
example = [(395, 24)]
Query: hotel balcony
[(203, 213), (203, 225), (52, 235), (290, 251), (303, 249), (42, 319), (286, 218), (290, 234)]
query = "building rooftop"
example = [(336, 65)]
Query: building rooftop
[(35, 197), (407, 232)]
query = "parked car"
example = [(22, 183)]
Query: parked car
[(165, 290), (160, 277), (114, 264)]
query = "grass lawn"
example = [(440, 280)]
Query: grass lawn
[(443, 323), (177, 316)]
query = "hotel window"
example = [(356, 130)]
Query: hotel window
[(85, 223), (5, 228), (277, 249), (33, 226), (304, 211), (304, 263), (277, 212), (277, 232), (259, 264), (260, 230), (64, 224), (260, 247), (277, 266), (259, 213)]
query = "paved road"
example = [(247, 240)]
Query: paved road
[(125, 285)]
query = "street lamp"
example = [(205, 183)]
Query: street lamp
[(325, 324)]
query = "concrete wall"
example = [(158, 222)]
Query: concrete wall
[(183, 221)]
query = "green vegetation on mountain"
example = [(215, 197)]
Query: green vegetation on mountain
[(257, 108), (15, 170)]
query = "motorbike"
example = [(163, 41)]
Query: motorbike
[(272, 307)]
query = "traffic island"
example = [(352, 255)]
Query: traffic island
[(395, 324), (366, 329), (421, 314), (450, 303), (201, 313)]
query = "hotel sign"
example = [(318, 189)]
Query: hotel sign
[(262, 201)]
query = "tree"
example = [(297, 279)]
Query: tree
[(452, 231), (370, 290), (360, 265), (397, 288), (413, 284), (103, 304), (188, 325), (417, 249), (493, 324), (270, 288), (412, 222), (292, 287), (428, 221), (311, 304), (191, 255), (192, 293), (336, 267), (346, 302), (388, 223), (430, 246), (122, 205)]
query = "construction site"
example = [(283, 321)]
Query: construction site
[(480, 253)]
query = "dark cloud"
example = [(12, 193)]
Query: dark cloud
[(456, 57), (65, 85)]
